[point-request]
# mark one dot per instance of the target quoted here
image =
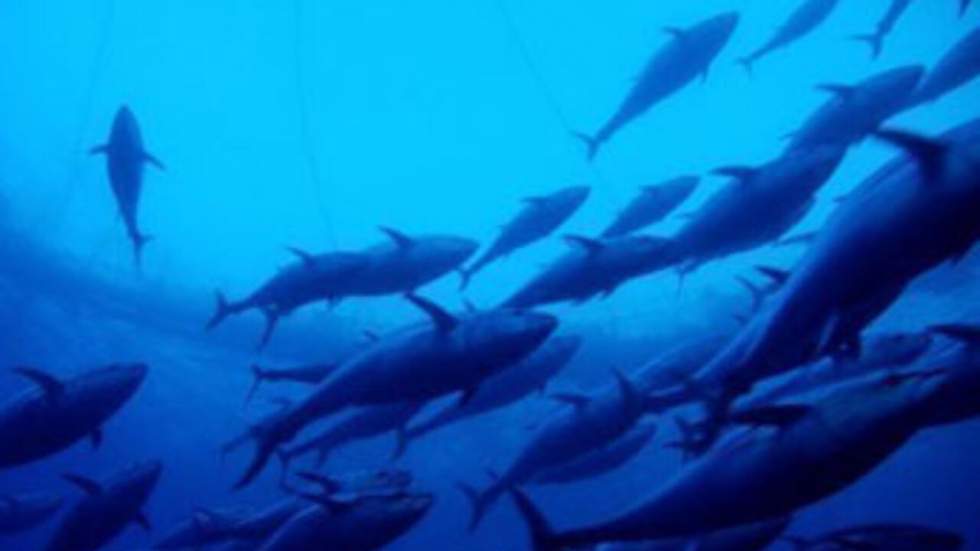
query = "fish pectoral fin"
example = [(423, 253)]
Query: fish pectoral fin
[(929, 154), (86, 484), (777, 275), (144, 523), (534, 201), (96, 437), (52, 387), (443, 320), (576, 399), (781, 416), (150, 159)]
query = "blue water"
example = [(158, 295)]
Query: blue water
[(310, 123)]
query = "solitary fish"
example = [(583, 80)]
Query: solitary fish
[(542, 216), (125, 157), (651, 205), (804, 19), (688, 55), (107, 508)]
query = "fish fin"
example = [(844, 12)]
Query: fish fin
[(592, 246), (478, 503), (96, 437), (742, 174), (86, 484), (271, 320), (746, 63), (144, 522), (806, 237), (304, 257), (777, 275), (443, 320), (592, 144), (542, 534), (758, 296), (469, 306), (258, 375), (264, 448), (222, 310), (285, 459), (101, 149), (842, 91), (52, 387), (328, 484), (781, 416), (535, 201), (139, 241), (573, 398), (630, 395), (464, 278), (873, 40), (402, 240), (929, 154), (149, 158), (969, 334), (675, 32)]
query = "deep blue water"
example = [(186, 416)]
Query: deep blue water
[(310, 123)]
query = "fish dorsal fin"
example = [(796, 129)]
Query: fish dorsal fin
[(675, 32), (52, 387), (86, 484), (842, 91), (778, 276), (968, 334), (576, 399), (592, 246), (627, 390), (443, 320), (781, 416), (535, 201), (929, 154), (328, 484), (305, 257), (742, 174), (403, 241)]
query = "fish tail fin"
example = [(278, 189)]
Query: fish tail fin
[(258, 375), (265, 446), (873, 40), (139, 241), (542, 534), (222, 310), (592, 144), (479, 502), (746, 63), (464, 278)]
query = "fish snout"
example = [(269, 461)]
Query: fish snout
[(130, 375)]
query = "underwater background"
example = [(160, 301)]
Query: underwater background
[(309, 124)]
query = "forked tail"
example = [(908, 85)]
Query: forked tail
[(592, 144), (479, 502), (542, 535), (746, 63), (873, 40), (139, 241), (258, 375)]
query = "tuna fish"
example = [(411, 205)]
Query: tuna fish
[(753, 537), (539, 219), (358, 523), (761, 474), (687, 56), (652, 205), (855, 111), (530, 375), (408, 262), (960, 65), (57, 413), (885, 26), (107, 508), (23, 512), (424, 361), (758, 207), (312, 278), (364, 423), (600, 461), (882, 537), (804, 19), (594, 267), (914, 213), (204, 527), (308, 374), (883, 351), (125, 157)]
